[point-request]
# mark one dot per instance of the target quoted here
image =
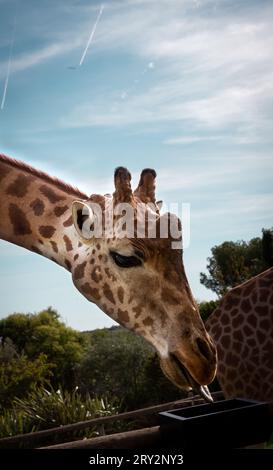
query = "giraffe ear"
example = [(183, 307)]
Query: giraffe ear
[(83, 219), (159, 205), (146, 186), (123, 192)]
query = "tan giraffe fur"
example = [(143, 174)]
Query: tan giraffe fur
[(242, 328), (153, 299)]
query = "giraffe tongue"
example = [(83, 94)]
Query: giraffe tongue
[(203, 390)]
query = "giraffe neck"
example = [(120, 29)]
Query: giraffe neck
[(35, 213)]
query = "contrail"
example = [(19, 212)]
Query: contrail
[(92, 34), (9, 62)]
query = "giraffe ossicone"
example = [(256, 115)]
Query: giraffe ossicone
[(139, 281)]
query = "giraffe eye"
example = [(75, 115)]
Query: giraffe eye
[(125, 261)]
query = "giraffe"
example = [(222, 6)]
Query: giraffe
[(242, 328), (139, 282)]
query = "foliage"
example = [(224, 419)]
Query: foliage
[(206, 308), (122, 364), (19, 375), (232, 263), (45, 334), (45, 408)]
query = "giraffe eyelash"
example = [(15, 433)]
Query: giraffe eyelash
[(125, 261)]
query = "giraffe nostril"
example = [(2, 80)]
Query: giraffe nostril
[(204, 348)]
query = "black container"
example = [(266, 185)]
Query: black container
[(222, 424)]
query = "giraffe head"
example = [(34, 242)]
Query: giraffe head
[(137, 277)]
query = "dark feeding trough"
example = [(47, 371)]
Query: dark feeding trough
[(223, 424)]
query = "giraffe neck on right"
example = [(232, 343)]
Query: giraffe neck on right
[(37, 215)]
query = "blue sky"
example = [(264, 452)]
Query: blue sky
[(184, 86)]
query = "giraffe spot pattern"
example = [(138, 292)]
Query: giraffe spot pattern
[(121, 294), (93, 292), (68, 222), (68, 244), (60, 210), (37, 206), (54, 246), (79, 270), (123, 316), (68, 264), (47, 231), (21, 225), (96, 274), (108, 293), (50, 194), (19, 187)]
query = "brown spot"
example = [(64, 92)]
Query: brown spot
[(47, 231), (262, 310), (60, 210), (261, 336), (68, 244), (87, 289), (21, 225), (68, 222), (252, 320), (41, 241), (264, 293), (245, 305), (108, 293), (36, 249), (107, 272), (68, 264), (238, 335), (4, 172), (76, 257), (168, 295), (98, 246), (265, 324), (38, 206), (79, 270), (92, 261), (50, 194), (237, 321), (96, 274), (123, 316), (137, 310), (148, 321), (247, 330), (121, 294), (54, 246), (79, 244), (225, 341), (19, 187), (100, 257)]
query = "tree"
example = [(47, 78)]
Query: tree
[(19, 375), (207, 307), (232, 263), (45, 334)]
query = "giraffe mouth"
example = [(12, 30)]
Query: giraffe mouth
[(201, 390)]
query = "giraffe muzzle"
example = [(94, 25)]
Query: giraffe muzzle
[(201, 390)]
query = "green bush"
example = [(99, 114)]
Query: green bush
[(45, 408), (44, 333), (19, 375)]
